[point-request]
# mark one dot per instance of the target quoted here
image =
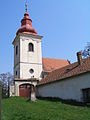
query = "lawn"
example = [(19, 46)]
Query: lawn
[(17, 108)]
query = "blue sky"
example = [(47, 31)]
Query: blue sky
[(64, 25)]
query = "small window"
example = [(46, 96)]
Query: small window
[(16, 73), (31, 71), (86, 95), (16, 50), (31, 47)]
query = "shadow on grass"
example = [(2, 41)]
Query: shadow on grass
[(68, 102), (51, 99)]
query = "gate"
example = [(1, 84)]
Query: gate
[(24, 90)]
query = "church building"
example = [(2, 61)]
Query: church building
[(29, 66), (35, 76)]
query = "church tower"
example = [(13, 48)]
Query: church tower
[(27, 56)]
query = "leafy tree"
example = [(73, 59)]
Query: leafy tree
[(86, 51)]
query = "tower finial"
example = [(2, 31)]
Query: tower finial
[(26, 6)]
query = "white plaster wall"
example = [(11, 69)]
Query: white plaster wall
[(66, 89), (25, 70), (30, 57), (17, 68), (16, 57), (30, 60), (26, 60), (12, 90)]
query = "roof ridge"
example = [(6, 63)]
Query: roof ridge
[(55, 58)]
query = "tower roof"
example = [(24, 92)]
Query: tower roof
[(26, 24)]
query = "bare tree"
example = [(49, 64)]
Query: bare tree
[(7, 79), (10, 80), (0, 98), (86, 51)]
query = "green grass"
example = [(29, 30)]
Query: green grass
[(17, 108)]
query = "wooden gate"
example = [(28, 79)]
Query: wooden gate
[(25, 90)]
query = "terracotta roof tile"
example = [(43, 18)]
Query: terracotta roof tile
[(68, 71), (50, 64)]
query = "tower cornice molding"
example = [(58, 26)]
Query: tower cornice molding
[(30, 35), (20, 35)]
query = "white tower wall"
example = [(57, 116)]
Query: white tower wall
[(25, 59)]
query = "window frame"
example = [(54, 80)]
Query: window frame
[(86, 95), (16, 50), (16, 73), (31, 47), (31, 71)]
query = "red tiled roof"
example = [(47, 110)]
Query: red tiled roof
[(68, 71), (50, 64)]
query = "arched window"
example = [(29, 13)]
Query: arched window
[(16, 50), (31, 47), (16, 73)]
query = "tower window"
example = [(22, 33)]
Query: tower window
[(16, 73), (31, 71), (16, 50), (31, 47)]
